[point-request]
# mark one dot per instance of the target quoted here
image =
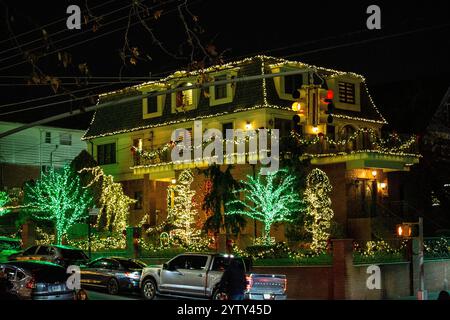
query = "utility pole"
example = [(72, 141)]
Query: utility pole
[(422, 294), (405, 230)]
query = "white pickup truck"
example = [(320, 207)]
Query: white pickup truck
[(198, 275)]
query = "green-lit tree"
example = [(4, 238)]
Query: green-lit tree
[(58, 197), (269, 199), (222, 190), (318, 208), (4, 199)]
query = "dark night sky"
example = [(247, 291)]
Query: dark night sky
[(407, 74)]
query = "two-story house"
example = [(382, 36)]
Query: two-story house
[(25, 155), (343, 137)]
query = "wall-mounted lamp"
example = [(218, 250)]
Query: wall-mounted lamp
[(374, 173), (383, 185), (248, 125), (315, 129), (174, 181)]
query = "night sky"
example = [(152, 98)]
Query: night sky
[(407, 67)]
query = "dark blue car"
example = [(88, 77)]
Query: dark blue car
[(113, 274)]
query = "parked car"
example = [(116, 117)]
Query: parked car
[(38, 280), (62, 255), (113, 274), (8, 247), (198, 275)]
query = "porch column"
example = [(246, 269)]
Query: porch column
[(146, 192)]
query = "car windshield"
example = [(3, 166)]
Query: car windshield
[(73, 254), (131, 264)]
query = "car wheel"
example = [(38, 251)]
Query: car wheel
[(219, 295), (149, 289), (113, 286)]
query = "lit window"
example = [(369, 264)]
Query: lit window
[(184, 98)]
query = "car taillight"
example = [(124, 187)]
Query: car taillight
[(31, 284), (285, 285), (249, 282)]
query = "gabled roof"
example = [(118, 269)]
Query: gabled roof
[(440, 122), (253, 94)]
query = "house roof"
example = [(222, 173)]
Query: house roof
[(260, 93)]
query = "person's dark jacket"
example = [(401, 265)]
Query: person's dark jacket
[(233, 280)]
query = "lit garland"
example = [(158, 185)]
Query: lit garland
[(183, 213), (270, 200), (182, 74), (114, 203), (382, 146), (114, 241), (58, 197), (318, 209), (4, 199)]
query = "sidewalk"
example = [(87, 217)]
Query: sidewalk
[(431, 296)]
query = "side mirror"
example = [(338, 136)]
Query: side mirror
[(165, 266)]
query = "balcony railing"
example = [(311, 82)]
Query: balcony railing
[(295, 145)]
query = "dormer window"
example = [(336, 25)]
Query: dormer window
[(152, 105), (222, 93), (220, 90), (184, 98), (287, 84), (346, 92), (292, 83)]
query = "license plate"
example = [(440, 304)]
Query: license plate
[(267, 296), (56, 288)]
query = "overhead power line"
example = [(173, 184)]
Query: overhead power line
[(50, 24), (73, 35), (87, 40), (144, 95)]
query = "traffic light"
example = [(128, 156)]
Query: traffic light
[(404, 230), (300, 106)]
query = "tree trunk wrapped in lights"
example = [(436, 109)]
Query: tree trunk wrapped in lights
[(181, 211), (115, 205), (269, 199), (58, 197), (318, 209)]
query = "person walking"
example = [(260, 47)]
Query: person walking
[(234, 282)]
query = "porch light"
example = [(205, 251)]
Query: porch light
[(174, 181), (374, 173), (315, 129), (248, 125), (383, 185)]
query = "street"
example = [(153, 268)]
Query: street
[(102, 295)]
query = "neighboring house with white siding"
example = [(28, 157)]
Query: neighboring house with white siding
[(24, 155)]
